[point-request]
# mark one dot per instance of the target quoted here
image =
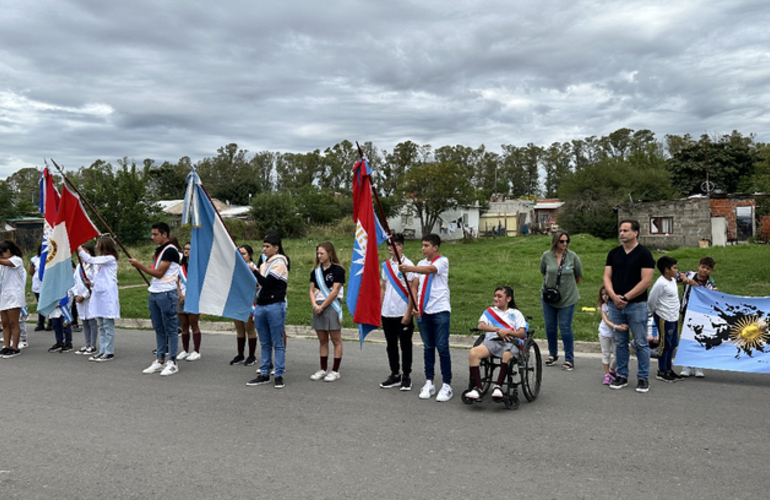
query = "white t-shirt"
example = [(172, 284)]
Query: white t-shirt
[(438, 300), (511, 316), (13, 280), (604, 328), (393, 306), (36, 283), (664, 299), (167, 283)]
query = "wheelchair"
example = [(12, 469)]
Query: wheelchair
[(525, 371)]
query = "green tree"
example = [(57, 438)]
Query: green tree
[(167, 181), (317, 207), (294, 171), (25, 184), (338, 162), (556, 162), (591, 194), (7, 205), (277, 212), (727, 160), (434, 187), (120, 196)]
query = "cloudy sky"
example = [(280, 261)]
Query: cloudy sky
[(82, 80)]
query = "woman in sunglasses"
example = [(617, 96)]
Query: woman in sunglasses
[(562, 271)]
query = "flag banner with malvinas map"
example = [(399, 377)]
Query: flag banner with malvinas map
[(725, 332)]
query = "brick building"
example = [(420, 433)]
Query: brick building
[(694, 221)]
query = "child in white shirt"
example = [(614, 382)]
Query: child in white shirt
[(663, 303)]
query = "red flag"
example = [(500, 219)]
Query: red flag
[(364, 283), (79, 226)]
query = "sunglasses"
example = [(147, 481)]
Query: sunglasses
[(564, 241)]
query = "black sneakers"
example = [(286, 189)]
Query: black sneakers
[(406, 384), (261, 380), (66, 348), (618, 382), (279, 383), (251, 360), (237, 360), (393, 381), (642, 385), (56, 347)]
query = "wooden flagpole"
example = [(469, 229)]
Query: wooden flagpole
[(387, 227), (93, 210)]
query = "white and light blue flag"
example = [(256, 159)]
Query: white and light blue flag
[(219, 282), (725, 332)]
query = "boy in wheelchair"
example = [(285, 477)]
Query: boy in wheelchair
[(506, 330)]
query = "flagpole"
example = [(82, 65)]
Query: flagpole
[(218, 214), (113, 235), (387, 227)]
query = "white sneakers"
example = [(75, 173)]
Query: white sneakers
[(170, 369), (686, 372), (155, 367), (193, 356), (332, 376), (320, 374), (692, 371), (699, 373), (428, 390), (165, 369), (182, 355), (445, 394)]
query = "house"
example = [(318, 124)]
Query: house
[(546, 211), (452, 224), (694, 221), (27, 232), (507, 218)]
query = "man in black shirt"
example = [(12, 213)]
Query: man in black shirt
[(627, 275)]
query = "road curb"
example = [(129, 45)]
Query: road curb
[(348, 334)]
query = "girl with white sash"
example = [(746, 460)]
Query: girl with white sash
[(326, 292), (501, 321)]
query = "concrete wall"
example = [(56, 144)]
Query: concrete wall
[(691, 221)]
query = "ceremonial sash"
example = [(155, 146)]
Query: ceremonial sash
[(499, 322), (427, 284), (395, 282), (164, 279), (269, 267), (321, 285)]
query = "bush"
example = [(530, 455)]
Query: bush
[(277, 212)]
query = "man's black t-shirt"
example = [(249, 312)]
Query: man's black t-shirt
[(627, 269), (171, 254)]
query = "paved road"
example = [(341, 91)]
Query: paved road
[(74, 429)]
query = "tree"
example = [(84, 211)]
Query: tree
[(277, 212), (434, 187), (727, 160), (120, 196), (556, 161), (167, 181), (339, 161), (25, 184), (295, 171), (7, 206), (591, 194)]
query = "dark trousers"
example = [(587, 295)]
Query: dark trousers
[(395, 332), (40, 317), (63, 333), (668, 333)]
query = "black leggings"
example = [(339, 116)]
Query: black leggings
[(395, 332)]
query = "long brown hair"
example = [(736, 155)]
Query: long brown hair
[(106, 246), (600, 301), (327, 245)]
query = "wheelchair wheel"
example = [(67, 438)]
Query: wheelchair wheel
[(531, 370), (512, 402)]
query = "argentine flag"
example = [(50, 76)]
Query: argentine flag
[(219, 281)]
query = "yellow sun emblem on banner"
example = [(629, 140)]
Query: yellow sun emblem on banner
[(52, 247), (750, 332)]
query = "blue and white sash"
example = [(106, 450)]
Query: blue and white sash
[(499, 321), (395, 282), (267, 272), (321, 285)]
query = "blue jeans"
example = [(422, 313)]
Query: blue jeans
[(434, 330), (561, 318), (107, 336), (669, 338), (269, 321), (165, 322), (635, 316)]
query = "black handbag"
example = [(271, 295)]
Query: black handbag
[(551, 295)]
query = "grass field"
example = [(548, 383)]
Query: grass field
[(478, 266)]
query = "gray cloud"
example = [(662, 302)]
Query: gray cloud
[(81, 80)]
